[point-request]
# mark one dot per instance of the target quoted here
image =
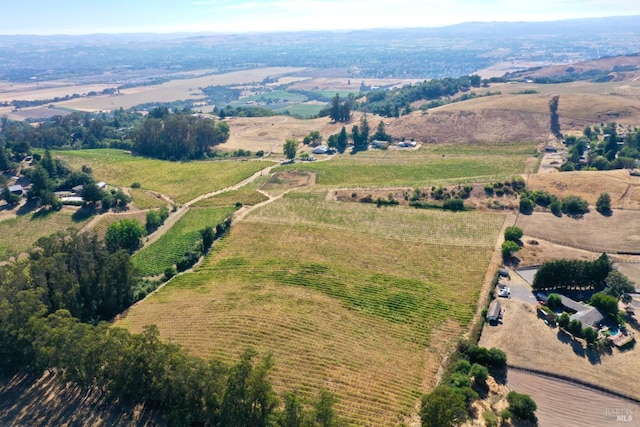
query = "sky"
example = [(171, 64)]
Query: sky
[(238, 16)]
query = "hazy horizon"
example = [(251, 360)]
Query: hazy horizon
[(42, 17)]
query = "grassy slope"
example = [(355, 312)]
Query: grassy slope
[(18, 234), (432, 164), (180, 181), (329, 288)]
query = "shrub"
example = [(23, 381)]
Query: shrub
[(491, 358), (136, 185), (603, 205), (606, 303), (563, 320), (490, 418), (463, 366), (453, 204), (575, 327), (556, 207), (554, 301), (479, 374), (522, 406), (488, 188)]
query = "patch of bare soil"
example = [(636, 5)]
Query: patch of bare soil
[(45, 401), (289, 179), (561, 403), (476, 199), (472, 122)]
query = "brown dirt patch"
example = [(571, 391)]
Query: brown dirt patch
[(289, 179)]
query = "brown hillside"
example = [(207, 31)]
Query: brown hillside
[(605, 64), (472, 125)]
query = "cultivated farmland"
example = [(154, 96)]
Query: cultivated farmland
[(329, 288), (230, 198), (180, 181), (18, 234), (169, 248)]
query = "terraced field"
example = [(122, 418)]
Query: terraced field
[(180, 181), (361, 300), (168, 249)]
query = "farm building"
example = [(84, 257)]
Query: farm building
[(320, 149), (16, 189), (495, 312)]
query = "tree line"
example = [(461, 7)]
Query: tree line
[(566, 274), (178, 136)]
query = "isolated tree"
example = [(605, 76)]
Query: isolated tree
[(364, 131), (619, 286), (443, 407), (124, 234), (343, 139), (575, 206), (513, 233), (381, 134), (554, 118), (340, 110), (9, 197), (120, 199), (603, 204), (290, 147), (590, 334)]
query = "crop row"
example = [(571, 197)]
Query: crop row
[(230, 198), (168, 249)]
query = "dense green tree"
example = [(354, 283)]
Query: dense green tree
[(590, 334), (92, 194), (340, 110), (5, 162), (611, 144), (513, 233), (343, 139), (155, 218), (522, 406), (573, 274), (563, 320), (603, 204), (124, 234), (526, 205), (479, 374), (121, 199), (607, 303), (619, 286), (293, 414), (381, 134), (554, 117), (9, 197), (289, 148), (40, 182), (574, 205), (554, 301), (509, 248), (443, 407)]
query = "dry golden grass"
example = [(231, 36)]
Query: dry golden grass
[(173, 90), (46, 90), (595, 232), (329, 288), (530, 343), (346, 84), (623, 188)]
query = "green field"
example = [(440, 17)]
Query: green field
[(332, 93), (180, 181), (304, 110), (18, 234), (168, 249), (275, 95), (329, 288), (145, 200), (438, 165), (230, 198)]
